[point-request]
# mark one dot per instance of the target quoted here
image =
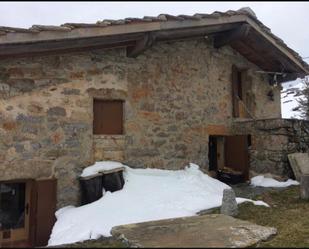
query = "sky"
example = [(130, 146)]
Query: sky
[(287, 20)]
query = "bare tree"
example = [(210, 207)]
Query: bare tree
[(303, 100)]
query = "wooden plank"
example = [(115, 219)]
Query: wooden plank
[(71, 45), (118, 29), (223, 39), (11, 49), (46, 191), (217, 130), (277, 47), (262, 47), (108, 116), (140, 46), (66, 50), (253, 56), (237, 154), (193, 32)]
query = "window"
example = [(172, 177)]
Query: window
[(107, 117), (242, 94)]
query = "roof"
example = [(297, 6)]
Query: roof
[(240, 29)]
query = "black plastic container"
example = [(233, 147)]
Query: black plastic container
[(92, 187), (230, 178)]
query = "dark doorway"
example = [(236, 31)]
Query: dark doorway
[(27, 212), (14, 211), (229, 158), (12, 205), (212, 153)]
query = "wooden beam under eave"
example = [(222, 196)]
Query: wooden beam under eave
[(226, 38), (253, 56), (277, 47), (141, 45), (7, 50)]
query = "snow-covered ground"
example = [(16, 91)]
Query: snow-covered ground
[(289, 96), (269, 182), (148, 194)]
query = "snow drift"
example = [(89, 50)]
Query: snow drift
[(262, 181), (148, 194)]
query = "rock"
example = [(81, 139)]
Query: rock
[(229, 204), (70, 91), (29, 119), (214, 230), (304, 187), (300, 164), (56, 111)]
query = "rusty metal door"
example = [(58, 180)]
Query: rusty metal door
[(46, 198), (237, 154)]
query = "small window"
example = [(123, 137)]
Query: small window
[(107, 117)]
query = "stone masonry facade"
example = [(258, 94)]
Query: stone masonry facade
[(272, 141), (175, 95)]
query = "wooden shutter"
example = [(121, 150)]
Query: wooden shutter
[(235, 91), (108, 117), (237, 154), (45, 198)]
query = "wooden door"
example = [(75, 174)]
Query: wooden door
[(44, 211), (237, 154), (15, 205)]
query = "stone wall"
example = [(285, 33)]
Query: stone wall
[(272, 141), (175, 94)]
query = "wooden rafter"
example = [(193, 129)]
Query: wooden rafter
[(228, 37), (141, 45)]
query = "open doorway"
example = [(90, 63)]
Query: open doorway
[(229, 158)]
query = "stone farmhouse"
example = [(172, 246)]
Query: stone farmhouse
[(152, 92)]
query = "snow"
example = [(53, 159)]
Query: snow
[(270, 182), (257, 203), (148, 194), (289, 96), (100, 166)]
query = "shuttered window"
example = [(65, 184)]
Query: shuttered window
[(107, 117)]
